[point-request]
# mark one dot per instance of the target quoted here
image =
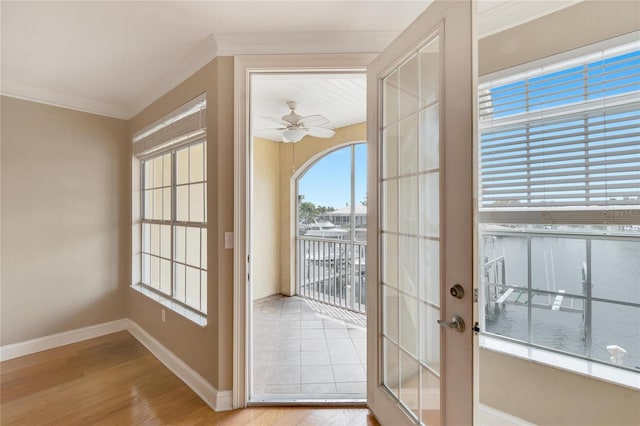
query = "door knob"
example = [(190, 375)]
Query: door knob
[(457, 323)]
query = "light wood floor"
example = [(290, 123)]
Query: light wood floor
[(114, 380)]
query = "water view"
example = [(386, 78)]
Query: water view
[(584, 290)]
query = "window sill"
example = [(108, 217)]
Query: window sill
[(580, 366), (197, 318)]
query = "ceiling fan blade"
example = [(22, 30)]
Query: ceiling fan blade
[(320, 132), (270, 134), (314, 121), (275, 120)]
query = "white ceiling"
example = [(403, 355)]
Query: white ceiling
[(116, 57), (339, 97)]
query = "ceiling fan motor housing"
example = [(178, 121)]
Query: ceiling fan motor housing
[(292, 118)]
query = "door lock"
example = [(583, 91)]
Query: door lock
[(457, 291), (457, 323)]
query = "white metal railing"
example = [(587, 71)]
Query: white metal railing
[(332, 272)]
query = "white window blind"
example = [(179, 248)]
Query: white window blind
[(182, 126), (565, 136)]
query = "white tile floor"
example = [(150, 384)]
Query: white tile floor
[(307, 350)]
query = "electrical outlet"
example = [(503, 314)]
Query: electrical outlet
[(163, 316)]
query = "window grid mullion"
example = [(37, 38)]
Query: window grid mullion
[(528, 172), (530, 292), (142, 216), (173, 220), (188, 149), (587, 303)]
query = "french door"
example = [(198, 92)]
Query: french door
[(420, 312)]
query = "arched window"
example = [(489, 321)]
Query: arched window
[(332, 228)]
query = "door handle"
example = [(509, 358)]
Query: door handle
[(457, 323)]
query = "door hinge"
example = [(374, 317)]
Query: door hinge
[(248, 277), (476, 327), (248, 256), (475, 295)]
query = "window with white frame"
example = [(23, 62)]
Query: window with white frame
[(559, 204), (173, 173)]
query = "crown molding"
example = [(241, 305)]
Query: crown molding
[(304, 42), (493, 17), (496, 16), (204, 53), (194, 61), (48, 97)]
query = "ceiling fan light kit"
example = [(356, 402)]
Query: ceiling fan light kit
[(297, 126), (293, 134)]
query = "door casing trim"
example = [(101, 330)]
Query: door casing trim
[(243, 67)]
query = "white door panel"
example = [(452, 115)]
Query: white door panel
[(420, 130)]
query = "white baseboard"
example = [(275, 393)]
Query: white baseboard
[(16, 350), (488, 416), (217, 400)]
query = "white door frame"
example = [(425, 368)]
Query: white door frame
[(244, 65), (457, 133)]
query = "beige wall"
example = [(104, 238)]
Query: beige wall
[(208, 350), (576, 26), (293, 161), (550, 396), (266, 219), (275, 168), (65, 214), (534, 392)]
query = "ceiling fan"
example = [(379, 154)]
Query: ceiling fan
[(295, 126)]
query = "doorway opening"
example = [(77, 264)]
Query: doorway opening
[(307, 237)]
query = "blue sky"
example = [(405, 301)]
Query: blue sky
[(328, 181)]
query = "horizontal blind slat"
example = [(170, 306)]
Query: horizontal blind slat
[(553, 188), (585, 178), (568, 158), (578, 123), (563, 138), (586, 90), (622, 169), (546, 149), (556, 166), (538, 102), (557, 198), (592, 68), (619, 106), (549, 141)]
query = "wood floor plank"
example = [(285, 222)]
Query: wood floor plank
[(113, 379)]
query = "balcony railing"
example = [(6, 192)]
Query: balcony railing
[(332, 272), (570, 289)]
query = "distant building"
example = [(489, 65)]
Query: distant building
[(342, 217)]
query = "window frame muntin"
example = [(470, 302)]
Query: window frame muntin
[(587, 299), (173, 222)]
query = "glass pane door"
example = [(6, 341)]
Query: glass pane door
[(410, 213)]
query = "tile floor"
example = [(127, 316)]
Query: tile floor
[(307, 350)]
